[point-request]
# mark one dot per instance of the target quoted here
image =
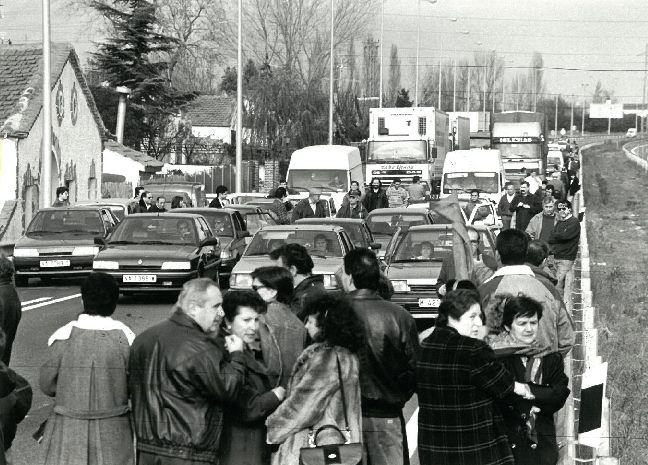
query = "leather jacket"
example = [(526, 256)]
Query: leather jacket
[(308, 288), (179, 379), (388, 359)]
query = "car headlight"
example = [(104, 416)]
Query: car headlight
[(25, 253), (241, 280), (88, 250), (330, 281), (105, 265), (226, 253), (400, 286), (176, 265)]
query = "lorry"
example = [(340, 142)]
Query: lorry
[(480, 127), (407, 142), (520, 136), (459, 132)]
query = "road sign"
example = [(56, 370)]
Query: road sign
[(606, 110)]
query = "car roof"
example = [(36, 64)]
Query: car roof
[(397, 211), (297, 227), (431, 227), (111, 201), (201, 210), (330, 220), (163, 215), (73, 207)]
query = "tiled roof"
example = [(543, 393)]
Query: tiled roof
[(211, 111), (21, 97), (147, 161)]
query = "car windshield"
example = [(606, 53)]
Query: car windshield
[(219, 222), (323, 179), (118, 211), (397, 151), (433, 246), (388, 224), (465, 182), (256, 221), (64, 222), (320, 244), (155, 230), (531, 151)]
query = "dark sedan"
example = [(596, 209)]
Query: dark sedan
[(152, 252), (59, 243), (383, 222)]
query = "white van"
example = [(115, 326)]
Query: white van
[(465, 170), (329, 168)]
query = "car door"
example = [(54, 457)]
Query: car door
[(240, 233), (210, 255)]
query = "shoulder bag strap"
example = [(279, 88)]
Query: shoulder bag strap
[(344, 406)]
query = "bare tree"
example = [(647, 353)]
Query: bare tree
[(371, 67), (487, 75), (394, 76)]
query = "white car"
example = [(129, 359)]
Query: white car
[(632, 132)]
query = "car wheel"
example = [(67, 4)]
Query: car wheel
[(21, 281)]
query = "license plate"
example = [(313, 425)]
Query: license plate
[(428, 303), (139, 278), (54, 263)]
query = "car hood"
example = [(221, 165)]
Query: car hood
[(149, 254), (54, 240), (322, 265), (414, 270)]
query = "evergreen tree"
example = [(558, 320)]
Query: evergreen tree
[(403, 99)]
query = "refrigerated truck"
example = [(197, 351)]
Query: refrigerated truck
[(407, 142), (459, 132)]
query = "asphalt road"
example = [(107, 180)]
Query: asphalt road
[(47, 308)]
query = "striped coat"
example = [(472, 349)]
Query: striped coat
[(459, 383)]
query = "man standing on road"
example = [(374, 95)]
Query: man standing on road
[(353, 209), (179, 380), (416, 190), (376, 197), (387, 361), (309, 208), (503, 206), (10, 307), (525, 205), (397, 196), (564, 241), (541, 225), (220, 200), (295, 258), (62, 196), (158, 206), (145, 204), (472, 203)]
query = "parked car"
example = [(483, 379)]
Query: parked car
[(154, 252), (357, 230), (415, 260), (230, 228), (120, 207), (383, 222), (59, 243), (327, 262), (192, 193)]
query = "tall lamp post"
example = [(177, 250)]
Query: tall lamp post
[(418, 49), (382, 34), (330, 134), (239, 103), (46, 149)]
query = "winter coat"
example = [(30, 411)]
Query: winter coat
[(388, 359), (459, 383), (358, 213), (556, 327), (314, 399), (308, 288), (549, 386), (142, 208), (283, 338), (280, 213), (543, 273), (61, 203), (503, 207), (574, 186), (534, 228), (15, 401), (304, 210), (522, 214), (156, 209), (10, 314), (397, 198), (375, 200), (188, 369), (86, 373), (216, 203), (565, 238), (244, 433)]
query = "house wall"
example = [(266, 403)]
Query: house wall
[(221, 133), (76, 147), (115, 163)]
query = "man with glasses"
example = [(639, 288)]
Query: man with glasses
[(145, 203), (564, 242)]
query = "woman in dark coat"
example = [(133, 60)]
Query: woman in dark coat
[(530, 422), (244, 433), (459, 385), (375, 197)]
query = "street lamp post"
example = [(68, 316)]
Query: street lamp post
[(330, 135), (46, 149), (239, 103), (418, 49), (382, 29)]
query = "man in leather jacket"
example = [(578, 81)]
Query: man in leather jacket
[(387, 361), (179, 379)]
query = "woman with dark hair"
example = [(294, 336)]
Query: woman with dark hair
[(459, 384), (177, 202), (86, 374), (376, 196), (244, 431), (530, 423), (314, 396), (278, 209), (282, 334)]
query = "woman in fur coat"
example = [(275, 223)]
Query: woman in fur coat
[(314, 397)]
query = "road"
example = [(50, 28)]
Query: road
[(45, 309)]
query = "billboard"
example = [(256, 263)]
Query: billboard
[(606, 110)]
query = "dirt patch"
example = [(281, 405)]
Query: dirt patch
[(617, 220)]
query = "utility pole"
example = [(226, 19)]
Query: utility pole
[(454, 83), (571, 121), (484, 71), (330, 131), (46, 148), (556, 115), (439, 99), (583, 86), (382, 28), (238, 180), (643, 94)]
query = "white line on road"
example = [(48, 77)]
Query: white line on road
[(412, 433), (50, 302), (40, 299)]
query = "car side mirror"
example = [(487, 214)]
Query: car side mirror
[(210, 241), (241, 234), (100, 241), (375, 246)]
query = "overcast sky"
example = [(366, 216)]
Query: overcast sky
[(608, 35)]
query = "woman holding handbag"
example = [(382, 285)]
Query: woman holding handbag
[(322, 405)]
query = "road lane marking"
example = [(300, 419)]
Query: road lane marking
[(50, 302), (412, 433), (40, 299)]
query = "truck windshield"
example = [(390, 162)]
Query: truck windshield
[(527, 151), (397, 151), (324, 179), (485, 182)]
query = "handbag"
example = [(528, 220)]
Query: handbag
[(345, 453)]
